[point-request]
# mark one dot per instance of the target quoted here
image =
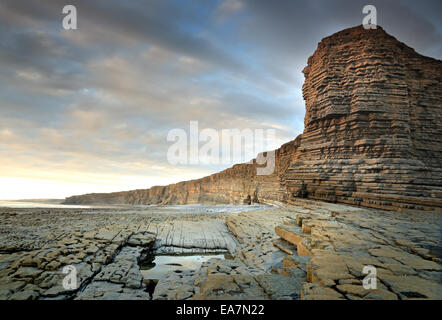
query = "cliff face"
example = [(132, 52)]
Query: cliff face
[(372, 135), (373, 123), (232, 185)]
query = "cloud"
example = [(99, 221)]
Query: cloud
[(96, 104), (228, 8)]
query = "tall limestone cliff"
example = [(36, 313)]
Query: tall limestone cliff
[(372, 136)]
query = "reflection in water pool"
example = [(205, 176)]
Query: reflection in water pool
[(163, 264)]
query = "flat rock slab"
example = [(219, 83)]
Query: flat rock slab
[(292, 234), (106, 246), (341, 241), (280, 287)]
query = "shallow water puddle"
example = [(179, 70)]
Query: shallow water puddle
[(177, 263)]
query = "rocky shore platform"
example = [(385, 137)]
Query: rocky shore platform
[(303, 250)]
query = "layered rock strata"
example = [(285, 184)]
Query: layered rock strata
[(106, 246), (372, 124), (372, 136), (320, 254), (307, 250)]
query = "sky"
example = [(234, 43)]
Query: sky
[(89, 110)]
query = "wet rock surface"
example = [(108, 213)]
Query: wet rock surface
[(105, 246), (339, 241), (306, 250)]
